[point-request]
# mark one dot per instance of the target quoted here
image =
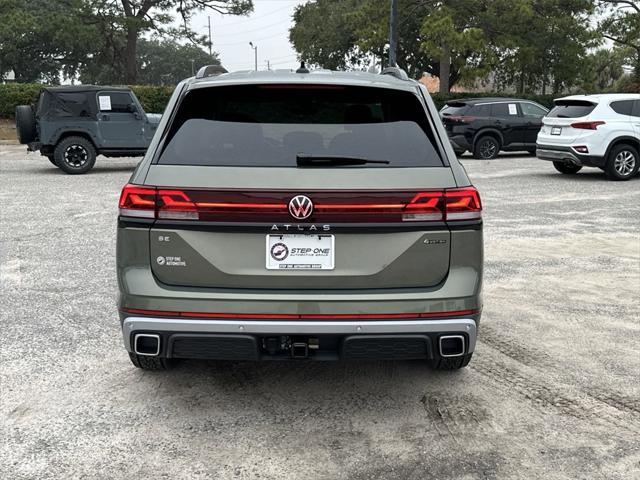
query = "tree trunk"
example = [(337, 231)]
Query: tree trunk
[(131, 72), (521, 86), (445, 67)]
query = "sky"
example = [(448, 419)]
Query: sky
[(267, 27)]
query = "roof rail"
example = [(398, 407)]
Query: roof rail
[(211, 71), (395, 72)]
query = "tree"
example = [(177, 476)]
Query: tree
[(159, 62), (546, 46), (132, 18), (167, 62), (603, 68), (333, 48), (621, 24), (41, 38)]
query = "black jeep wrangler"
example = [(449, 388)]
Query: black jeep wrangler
[(71, 125)]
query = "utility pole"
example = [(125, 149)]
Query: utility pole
[(255, 53), (393, 34), (268, 65), (210, 44)]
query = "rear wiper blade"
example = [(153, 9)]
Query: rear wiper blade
[(306, 160)]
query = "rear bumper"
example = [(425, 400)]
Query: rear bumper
[(568, 155), (460, 143), (242, 339)]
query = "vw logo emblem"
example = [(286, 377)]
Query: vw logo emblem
[(300, 207)]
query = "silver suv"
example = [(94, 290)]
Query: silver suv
[(309, 216)]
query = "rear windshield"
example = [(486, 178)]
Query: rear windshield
[(571, 109), (271, 125)]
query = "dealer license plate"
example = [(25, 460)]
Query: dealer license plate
[(300, 252), (556, 130)]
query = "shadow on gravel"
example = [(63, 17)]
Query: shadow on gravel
[(54, 171), (583, 176), (296, 383)]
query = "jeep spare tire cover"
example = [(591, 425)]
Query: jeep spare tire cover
[(26, 124)]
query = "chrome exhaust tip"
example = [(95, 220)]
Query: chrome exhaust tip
[(452, 346), (147, 344)]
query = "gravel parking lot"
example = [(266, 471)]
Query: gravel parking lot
[(553, 390)]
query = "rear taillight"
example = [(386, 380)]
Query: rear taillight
[(176, 205), (425, 207), (587, 125), (461, 118), (272, 207), (463, 204), (136, 201)]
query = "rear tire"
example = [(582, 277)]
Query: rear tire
[(486, 148), (451, 363), (26, 124), (75, 155), (567, 168), (622, 163), (52, 160), (150, 363)]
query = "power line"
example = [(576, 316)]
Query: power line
[(221, 27), (215, 44), (251, 19)]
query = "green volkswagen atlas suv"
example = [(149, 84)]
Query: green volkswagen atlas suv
[(308, 215)]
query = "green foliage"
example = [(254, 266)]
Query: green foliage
[(602, 68), (153, 98), (621, 23), (41, 38), (331, 47), (531, 43), (627, 84), (159, 62), (14, 94)]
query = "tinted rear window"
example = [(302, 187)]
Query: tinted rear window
[(269, 125), (482, 110), (454, 109), (571, 109), (623, 107)]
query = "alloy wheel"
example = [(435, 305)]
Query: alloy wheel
[(625, 162), (488, 149), (76, 156)]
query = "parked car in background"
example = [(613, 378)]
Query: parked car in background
[(313, 215), (593, 131), (484, 126), (71, 125)]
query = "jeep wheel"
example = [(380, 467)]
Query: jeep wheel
[(567, 168), (25, 124), (451, 363), (52, 160), (486, 148), (75, 155), (150, 363), (622, 163)]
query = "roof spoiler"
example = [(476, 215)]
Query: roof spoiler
[(397, 72), (211, 71)]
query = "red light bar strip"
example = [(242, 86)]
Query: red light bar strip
[(290, 316)]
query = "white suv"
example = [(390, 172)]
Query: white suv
[(593, 131)]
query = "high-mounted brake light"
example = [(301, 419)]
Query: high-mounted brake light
[(136, 201), (588, 125)]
